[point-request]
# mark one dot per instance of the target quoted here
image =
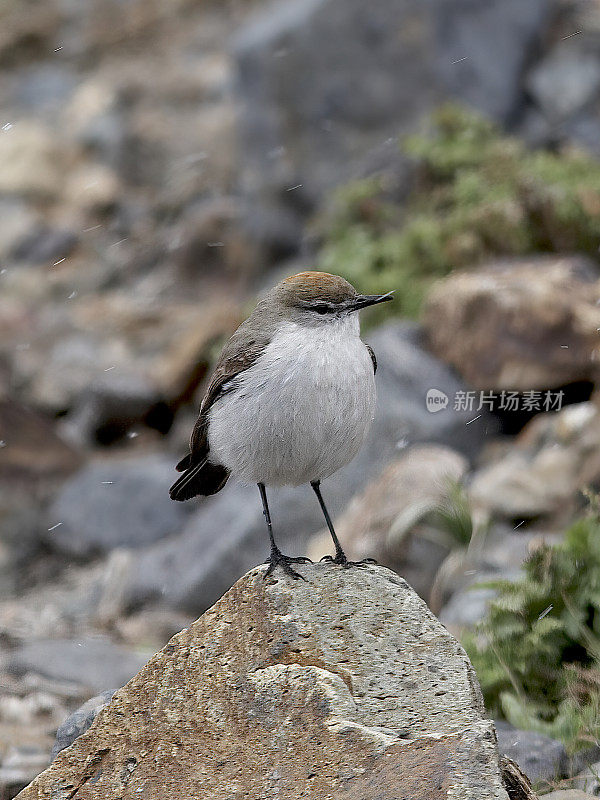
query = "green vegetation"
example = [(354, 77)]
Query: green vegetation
[(453, 517), (537, 654), (476, 194)]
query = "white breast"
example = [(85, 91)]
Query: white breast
[(301, 411)]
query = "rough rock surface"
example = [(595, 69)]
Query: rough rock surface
[(521, 326), (343, 686)]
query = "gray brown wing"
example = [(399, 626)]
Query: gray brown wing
[(240, 352), (373, 357)]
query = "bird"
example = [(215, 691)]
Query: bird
[(290, 401)]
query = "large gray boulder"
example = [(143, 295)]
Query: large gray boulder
[(94, 661), (541, 758), (227, 534), (343, 685), (324, 84), (115, 502)]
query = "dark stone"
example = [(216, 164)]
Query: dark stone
[(79, 721), (540, 758), (45, 245), (106, 411), (116, 502), (94, 662), (44, 88)]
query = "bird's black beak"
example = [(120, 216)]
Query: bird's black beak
[(364, 300)]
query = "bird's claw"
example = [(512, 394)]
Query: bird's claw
[(342, 561), (278, 559)]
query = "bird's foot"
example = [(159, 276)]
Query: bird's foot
[(278, 559), (342, 561)]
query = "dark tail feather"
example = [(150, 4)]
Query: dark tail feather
[(185, 463), (203, 478)]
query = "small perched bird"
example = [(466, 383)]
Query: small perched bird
[(291, 398)]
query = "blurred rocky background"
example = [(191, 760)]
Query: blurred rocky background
[(161, 163)]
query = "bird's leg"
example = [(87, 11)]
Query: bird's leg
[(340, 556), (277, 556)]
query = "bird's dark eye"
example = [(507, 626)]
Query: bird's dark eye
[(320, 308)]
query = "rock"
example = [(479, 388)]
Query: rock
[(116, 502), (564, 81), (79, 721), (378, 522), (30, 161), (94, 188), (86, 598), (26, 31), (555, 456), (524, 325), (568, 794), (44, 245), (182, 367), (27, 718), (482, 49), (405, 375), (516, 783), (93, 119), (111, 406), (540, 758), (498, 555), (66, 334), (224, 536), (26, 709), (588, 781), (30, 448), (94, 662), (149, 625), (19, 766), (466, 607), (227, 534), (43, 88), (583, 129), (320, 92), (213, 245), (34, 461), (17, 220), (343, 686), (63, 365), (274, 229)]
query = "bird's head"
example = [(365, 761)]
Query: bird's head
[(318, 298)]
